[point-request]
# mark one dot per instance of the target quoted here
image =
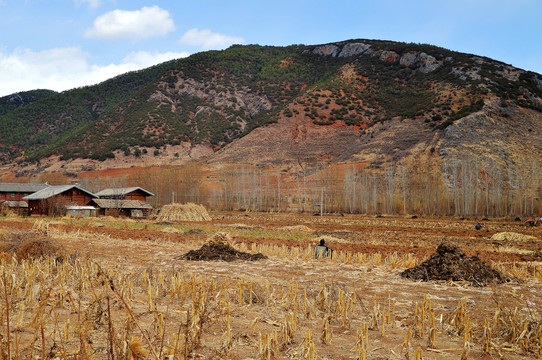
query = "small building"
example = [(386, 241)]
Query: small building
[(15, 192), (19, 207), (54, 200), (77, 210), (127, 193), (121, 207)]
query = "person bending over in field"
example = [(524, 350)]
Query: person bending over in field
[(322, 250)]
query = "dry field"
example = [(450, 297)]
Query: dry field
[(112, 289)]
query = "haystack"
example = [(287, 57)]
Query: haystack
[(183, 212), (512, 236)]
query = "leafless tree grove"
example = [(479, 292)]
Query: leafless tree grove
[(461, 187)]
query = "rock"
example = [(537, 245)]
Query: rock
[(459, 73), (389, 56), (410, 59), (326, 50), (353, 49), (428, 63), (537, 81)]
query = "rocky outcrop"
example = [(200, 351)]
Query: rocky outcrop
[(428, 63), (326, 50), (389, 56), (410, 59), (421, 61), (353, 49)]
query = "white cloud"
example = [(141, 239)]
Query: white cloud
[(206, 39), (139, 24), (66, 68)]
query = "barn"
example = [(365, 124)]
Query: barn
[(127, 201), (120, 207), (12, 194), (54, 200), (126, 193)]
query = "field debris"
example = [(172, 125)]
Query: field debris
[(183, 212), (25, 245), (449, 262), (298, 228), (218, 248), (512, 236)]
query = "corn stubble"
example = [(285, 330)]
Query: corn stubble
[(81, 309)]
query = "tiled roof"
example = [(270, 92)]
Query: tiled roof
[(121, 204), (22, 187), (53, 191), (121, 191)]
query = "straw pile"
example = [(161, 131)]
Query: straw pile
[(183, 212), (220, 238), (512, 236)]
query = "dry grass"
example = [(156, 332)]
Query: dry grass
[(221, 238), (512, 236), (296, 228), (183, 212), (26, 245)]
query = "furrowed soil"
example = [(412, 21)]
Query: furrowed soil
[(315, 309)]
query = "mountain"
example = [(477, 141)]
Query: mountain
[(20, 99), (294, 107)]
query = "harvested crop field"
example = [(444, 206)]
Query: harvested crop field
[(125, 290)]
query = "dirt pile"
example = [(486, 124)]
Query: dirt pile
[(29, 245), (218, 248), (450, 263)]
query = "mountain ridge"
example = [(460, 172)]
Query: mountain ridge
[(355, 97)]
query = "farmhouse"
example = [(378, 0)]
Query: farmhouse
[(13, 193), (120, 207), (128, 201), (127, 193), (53, 200)]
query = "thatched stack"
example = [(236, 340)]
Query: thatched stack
[(183, 212), (220, 238)]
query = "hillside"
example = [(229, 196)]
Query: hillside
[(293, 107), (27, 130), (20, 99)]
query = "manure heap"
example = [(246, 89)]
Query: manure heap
[(450, 263), (218, 248)]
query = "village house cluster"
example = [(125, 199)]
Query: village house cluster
[(45, 199)]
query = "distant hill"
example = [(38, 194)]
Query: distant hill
[(351, 101), (20, 99)]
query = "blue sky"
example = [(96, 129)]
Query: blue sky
[(62, 44)]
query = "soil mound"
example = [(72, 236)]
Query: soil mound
[(450, 263), (218, 248)]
